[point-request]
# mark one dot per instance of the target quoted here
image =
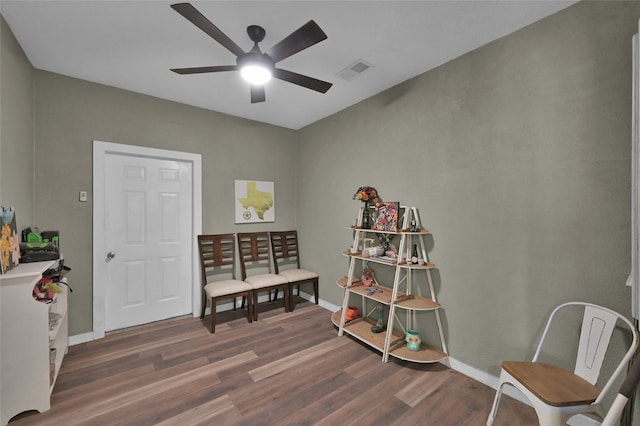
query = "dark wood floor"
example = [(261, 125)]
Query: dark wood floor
[(286, 369)]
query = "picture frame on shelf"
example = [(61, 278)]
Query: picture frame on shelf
[(387, 217)]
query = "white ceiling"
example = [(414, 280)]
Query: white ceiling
[(133, 44)]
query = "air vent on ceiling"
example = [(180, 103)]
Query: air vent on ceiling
[(354, 70)]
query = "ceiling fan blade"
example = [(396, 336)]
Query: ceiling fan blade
[(199, 20), (305, 36), (200, 70), (302, 80), (257, 94)]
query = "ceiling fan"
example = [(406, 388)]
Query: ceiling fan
[(255, 66)]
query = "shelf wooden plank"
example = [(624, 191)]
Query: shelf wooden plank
[(426, 354), (342, 282), (383, 295), (359, 255), (427, 265), (417, 303), (402, 264), (421, 231), (361, 330)]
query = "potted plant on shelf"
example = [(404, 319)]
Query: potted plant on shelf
[(368, 195)]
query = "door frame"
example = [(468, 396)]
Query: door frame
[(100, 151)]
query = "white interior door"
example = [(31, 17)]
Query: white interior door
[(148, 227)]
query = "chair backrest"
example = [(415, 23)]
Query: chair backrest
[(254, 250), (597, 327), (284, 245), (217, 255), (595, 335)]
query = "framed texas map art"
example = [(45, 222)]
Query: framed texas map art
[(254, 201)]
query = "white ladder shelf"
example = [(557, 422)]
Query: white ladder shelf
[(407, 294)]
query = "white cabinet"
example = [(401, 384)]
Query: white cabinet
[(31, 353), (410, 293)]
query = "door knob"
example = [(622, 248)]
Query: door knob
[(110, 256)]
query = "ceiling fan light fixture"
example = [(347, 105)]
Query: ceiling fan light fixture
[(257, 67), (255, 74)]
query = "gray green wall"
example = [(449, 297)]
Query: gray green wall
[(16, 128), (517, 155)]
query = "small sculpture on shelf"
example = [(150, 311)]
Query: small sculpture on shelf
[(372, 251), (389, 249), (368, 276), (413, 340), (369, 250)]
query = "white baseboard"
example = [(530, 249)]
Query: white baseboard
[(328, 306), (81, 338), (87, 337)]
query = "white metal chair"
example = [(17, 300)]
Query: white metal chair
[(557, 394)]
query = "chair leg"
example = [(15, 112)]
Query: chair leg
[(550, 417), (287, 298), (204, 304), (496, 404), (249, 307), (315, 289), (558, 416), (255, 305), (213, 315)]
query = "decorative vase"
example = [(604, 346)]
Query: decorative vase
[(366, 216), (413, 340), (380, 326)]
